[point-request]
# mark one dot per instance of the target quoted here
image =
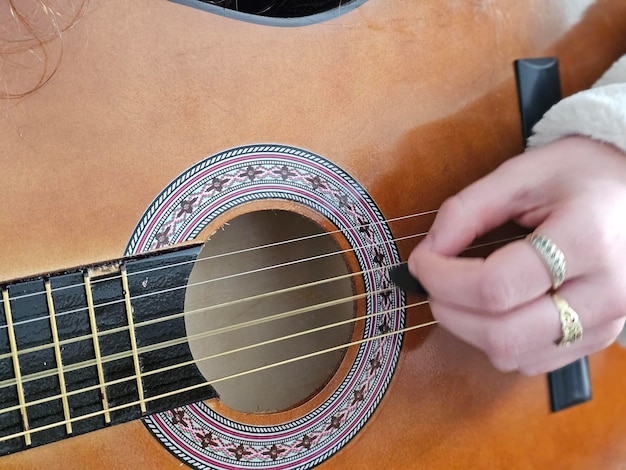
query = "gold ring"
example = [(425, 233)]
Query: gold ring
[(570, 322)]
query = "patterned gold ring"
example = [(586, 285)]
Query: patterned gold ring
[(570, 322), (552, 256)]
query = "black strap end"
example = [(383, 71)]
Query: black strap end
[(570, 385)]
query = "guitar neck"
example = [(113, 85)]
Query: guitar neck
[(87, 348)]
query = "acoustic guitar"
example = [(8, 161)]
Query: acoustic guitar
[(200, 208)]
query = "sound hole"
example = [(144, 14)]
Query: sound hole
[(280, 8), (228, 291)]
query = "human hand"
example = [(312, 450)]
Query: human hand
[(574, 192)]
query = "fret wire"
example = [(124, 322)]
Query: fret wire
[(72, 367), (115, 330), (75, 392), (407, 237), (16, 367), (75, 339), (57, 356), (229, 377), (96, 346), (133, 338)]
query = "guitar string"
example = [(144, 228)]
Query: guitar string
[(224, 353), (186, 339), (183, 340), (174, 316), (208, 281), (295, 240), (211, 307), (232, 276), (221, 379), (243, 250), (146, 349)]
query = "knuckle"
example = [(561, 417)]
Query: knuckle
[(452, 207), (493, 293), (601, 243), (610, 332), (501, 348)]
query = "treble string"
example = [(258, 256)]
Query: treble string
[(296, 240), (231, 276), (248, 250), (163, 345), (220, 379), (207, 281)]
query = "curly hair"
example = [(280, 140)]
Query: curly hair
[(31, 34), (31, 38)]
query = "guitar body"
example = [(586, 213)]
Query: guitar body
[(410, 100)]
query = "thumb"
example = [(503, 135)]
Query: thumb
[(508, 193)]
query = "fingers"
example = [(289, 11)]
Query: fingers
[(475, 283), (488, 285), (517, 273), (583, 220), (525, 189), (525, 338), (507, 193), (545, 360), (504, 337)]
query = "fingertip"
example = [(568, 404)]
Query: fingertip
[(420, 266), (415, 259), (478, 208)]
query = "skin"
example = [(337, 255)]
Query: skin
[(574, 192)]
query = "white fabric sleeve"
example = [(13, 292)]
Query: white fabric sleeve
[(598, 113)]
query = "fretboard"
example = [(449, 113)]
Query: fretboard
[(93, 347)]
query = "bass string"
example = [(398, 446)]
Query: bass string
[(249, 249), (212, 381), (227, 329)]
